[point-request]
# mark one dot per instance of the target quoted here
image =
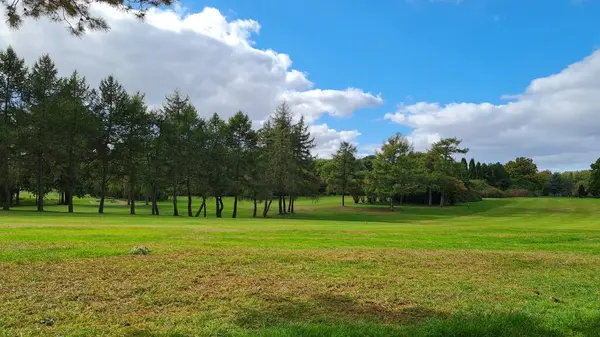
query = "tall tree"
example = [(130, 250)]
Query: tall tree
[(465, 167), (112, 100), (77, 14), (472, 169), (444, 163), (556, 185), (277, 138), (75, 101), (42, 104), (594, 182), (391, 168), (241, 142), (13, 75), (345, 166), (522, 172), (132, 134), (217, 156), (155, 174), (179, 133), (302, 177)]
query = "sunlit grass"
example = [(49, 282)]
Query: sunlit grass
[(510, 267)]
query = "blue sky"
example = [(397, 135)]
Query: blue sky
[(422, 50), (443, 68)]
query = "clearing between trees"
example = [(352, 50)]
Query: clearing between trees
[(500, 267)]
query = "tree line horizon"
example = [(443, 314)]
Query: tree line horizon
[(59, 134)]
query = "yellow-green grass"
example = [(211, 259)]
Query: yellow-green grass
[(510, 267)]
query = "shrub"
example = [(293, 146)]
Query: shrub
[(492, 192), (140, 251), (519, 193)]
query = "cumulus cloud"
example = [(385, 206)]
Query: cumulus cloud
[(554, 121), (328, 140), (208, 57)]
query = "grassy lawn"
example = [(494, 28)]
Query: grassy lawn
[(510, 267)]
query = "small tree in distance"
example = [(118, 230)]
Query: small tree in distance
[(344, 161)]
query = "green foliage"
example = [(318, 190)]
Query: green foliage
[(594, 180), (77, 14)]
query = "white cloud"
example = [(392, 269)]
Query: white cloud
[(205, 55), (555, 120), (328, 140)]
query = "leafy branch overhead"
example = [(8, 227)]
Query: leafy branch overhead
[(79, 15)]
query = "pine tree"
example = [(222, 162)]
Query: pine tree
[(178, 130), (132, 134), (217, 156), (75, 101), (345, 165), (13, 75), (112, 99), (472, 169), (39, 138), (241, 142)]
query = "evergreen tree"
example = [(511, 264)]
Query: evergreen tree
[(179, 134), (132, 134), (13, 75), (241, 142), (39, 140), (445, 165), (111, 101), (345, 166), (472, 169), (75, 101), (217, 156)]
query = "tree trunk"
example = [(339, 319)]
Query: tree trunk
[(40, 188), (293, 201), (267, 207), (17, 197), (155, 204), (343, 198), (235, 204), (131, 197), (284, 209), (61, 198), (189, 205), (254, 211), (70, 202), (442, 200), (392, 202), (290, 205), (219, 204), (7, 197), (203, 206), (175, 210), (430, 198), (102, 192), (280, 209), (401, 199)]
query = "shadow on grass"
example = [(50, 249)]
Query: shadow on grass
[(341, 317)]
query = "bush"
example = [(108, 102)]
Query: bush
[(519, 193), (140, 251), (492, 192)]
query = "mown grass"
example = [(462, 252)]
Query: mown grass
[(511, 267)]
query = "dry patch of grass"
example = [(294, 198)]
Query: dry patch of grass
[(256, 288)]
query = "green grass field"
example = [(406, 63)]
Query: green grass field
[(510, 267)]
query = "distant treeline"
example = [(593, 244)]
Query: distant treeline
[(59, 134)]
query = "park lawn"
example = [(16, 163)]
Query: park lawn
[(509, 267)]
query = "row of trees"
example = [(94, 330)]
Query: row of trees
[(396, 172), (58, 134)]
